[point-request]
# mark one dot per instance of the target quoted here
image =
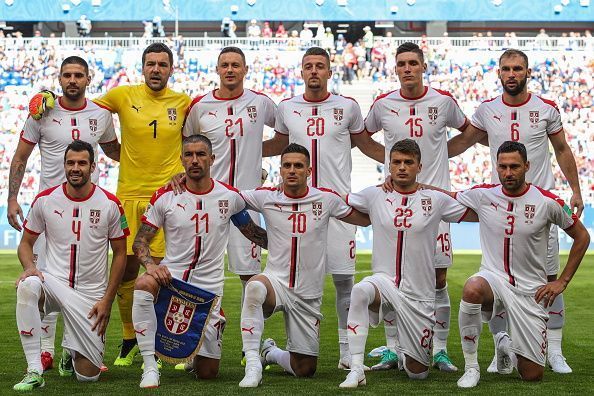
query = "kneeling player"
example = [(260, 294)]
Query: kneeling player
[(293, 280), (80, 221), (405, 225), (196, 226)]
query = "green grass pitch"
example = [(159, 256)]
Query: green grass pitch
[(578, 348)]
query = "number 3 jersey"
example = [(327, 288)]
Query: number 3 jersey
[(530, 123), (514, 231), (297, 229), (424, 119), (58, 128), (324, 128), (405, 227), (77, 233), (235, 127), (196, 228)]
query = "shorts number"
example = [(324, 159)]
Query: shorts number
[(427, 339), (254, 251), (352, 249), (444, 239)]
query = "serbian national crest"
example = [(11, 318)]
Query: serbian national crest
[(172, 113), (252, 113), (529, 211), (223, 207), (534, 118), (432, 113), (95, 216), (427, 206), (338, 114), (179, 315), (93, 126), (316, 209)]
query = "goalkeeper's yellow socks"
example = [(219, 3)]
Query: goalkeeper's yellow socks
[(125, 299)]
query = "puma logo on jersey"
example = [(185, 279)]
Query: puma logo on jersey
[(497, 117), (136, 108), (59, 122), (353, 328), (213, 113), (279, 206), (390, 201), (297, 112), (27, 333), (61, 214), (494, 205), (397, 112), (468, 338), (182, 206)]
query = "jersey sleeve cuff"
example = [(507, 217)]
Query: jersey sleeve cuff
[(111, 141), (282, 133), (480, 129), (30, 231), (348, 214), (28, 141), (556, 132), (463, 215), (148, 223), (357, 133), (464, 125)]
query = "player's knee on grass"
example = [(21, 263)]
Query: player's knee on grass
[(303, 365), (529, 370), (477, 291), (415, 369), (147, 283), (441, 277), (206, 368), (85, 370)]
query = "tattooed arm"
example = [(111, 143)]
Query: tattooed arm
[(15, 178), (142, 250), (111, 149), (254, 233)]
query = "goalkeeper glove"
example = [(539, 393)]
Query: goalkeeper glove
[(41, 102)]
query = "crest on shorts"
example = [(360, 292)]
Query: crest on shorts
[(252, 113), (93, 125), (172, 113), (529, 211), (316, 209), (179, 315), (432, 113), (95, 216), (338, 114), (426, 205), (223, 207)]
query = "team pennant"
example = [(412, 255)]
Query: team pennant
[(182, 313)]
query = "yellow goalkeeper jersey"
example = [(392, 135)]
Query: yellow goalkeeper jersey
[(151, 124)]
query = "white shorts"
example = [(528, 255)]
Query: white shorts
[(212, 337), (340, 253), (527, 320), (414, 319), (77, 328), (553, 264), (243, 255), (39, 250), (443, 247), (302, 318)]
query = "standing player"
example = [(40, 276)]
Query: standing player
[(514, 219), (328, 125), (73, 118), (80, 221), (520, 116), (405, 224), (423, 114), (293, 280), (233, 118), (196, 224)]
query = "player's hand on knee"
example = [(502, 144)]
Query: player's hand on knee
[(160, 273), (387, 185), (41, 102), (27, 273), (549, 292), (13, 213), (102, 310), (177, 183)]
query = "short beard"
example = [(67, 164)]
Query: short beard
[(75, 97), (518, 89)]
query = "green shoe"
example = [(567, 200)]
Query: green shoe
[(159, 363), (128, 351), (442, 361), (388, 362), (65, 368), (31, 381)]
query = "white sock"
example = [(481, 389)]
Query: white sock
[(469, 321), (362, 296), (357, 361), (280, 357), (243, 283), (442, 320), (343, 284), (252, 317), (83, 378), (555, 325), (29, 321), (145, 326), (554, 337), (48, 333), (390, 330)]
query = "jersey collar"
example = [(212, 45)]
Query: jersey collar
[(201, 193), (78, 199), (154, 94), (519, 104), (516, 195)]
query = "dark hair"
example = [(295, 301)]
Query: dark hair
[(234, 50), (514, 52), (197, 139), (317, 51), (513, 147), (295, 148), (158, 48), (406, 146), (75, 60), (410, 47), (80, 146)]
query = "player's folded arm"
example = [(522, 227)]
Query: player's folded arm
[(249, 229)]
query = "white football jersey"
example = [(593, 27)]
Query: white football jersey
[(530, 123), (235, 127), (424, 119), (405, 227), (77, 232), (58, 128), (297, 230), (514, 231), (196, 228), (324, 128)]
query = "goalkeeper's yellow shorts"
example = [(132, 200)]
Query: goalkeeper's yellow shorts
[(134, 209)]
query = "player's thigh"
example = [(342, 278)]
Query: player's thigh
[(443, 247), (134, 210), (276, 293), (244, 256), (340, 249), (553, 263), (302, 326), (381, 304), (527, 323)]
